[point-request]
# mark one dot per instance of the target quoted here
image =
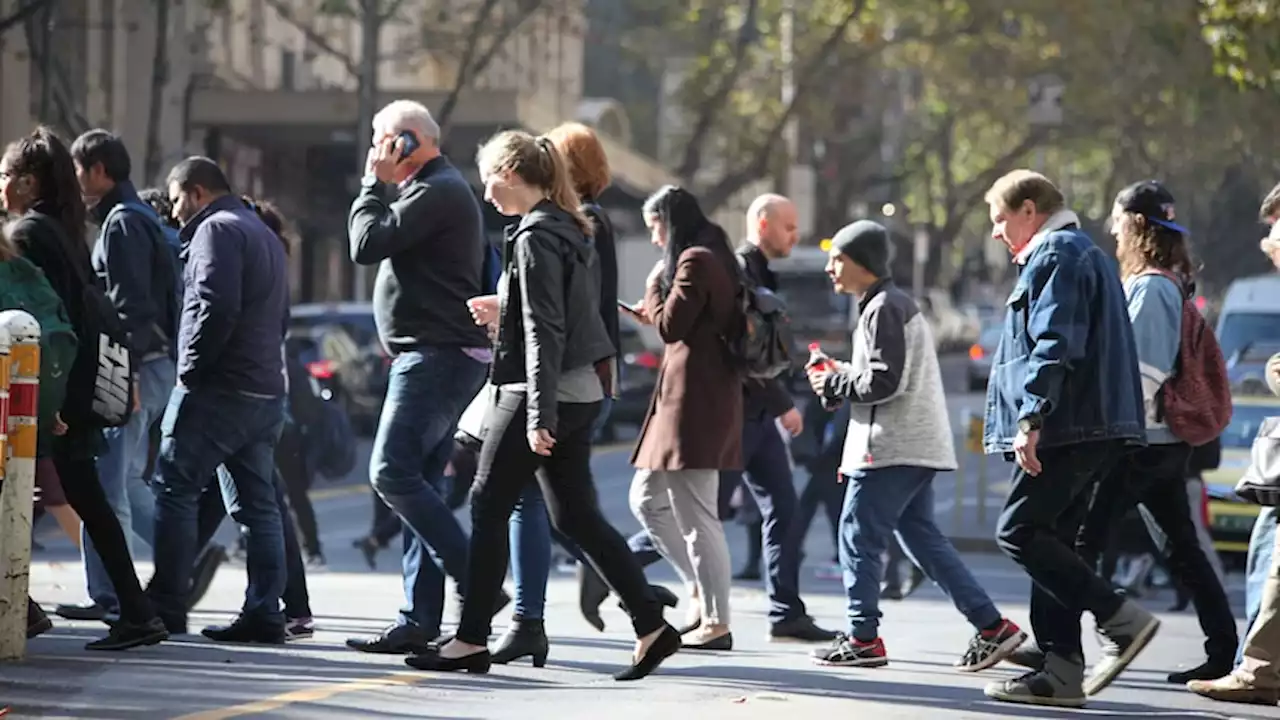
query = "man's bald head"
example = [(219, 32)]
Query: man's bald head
[(773, 225)]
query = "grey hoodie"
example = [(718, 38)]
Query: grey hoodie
[(899, 413)]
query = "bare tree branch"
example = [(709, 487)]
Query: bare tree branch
[(320, 42), (715, 101), (810, 77), (389, 11), (31, 7), (759, 163), (470, 65), (968, 194)]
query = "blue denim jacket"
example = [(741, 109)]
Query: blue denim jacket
[(1067, 351)]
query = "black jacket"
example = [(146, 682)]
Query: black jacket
[(427, 237), (135, 268), (236, 307), (607, 252), (39, 236), (762, 398), (548, 317)]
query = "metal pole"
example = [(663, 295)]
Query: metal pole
[(19, 396), (957, 512)]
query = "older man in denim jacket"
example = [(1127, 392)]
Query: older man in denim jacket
[(1063, 400)]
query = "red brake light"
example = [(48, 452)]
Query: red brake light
[(1200, 302), (321, 369), (976, 352), (646, 359)]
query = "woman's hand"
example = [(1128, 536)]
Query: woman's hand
[(59, 427), (541, 442), (484, 309)]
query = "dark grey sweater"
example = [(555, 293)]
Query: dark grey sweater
[(427, 238)]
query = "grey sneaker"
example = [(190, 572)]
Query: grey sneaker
[(1122, 637), (1058, 684)]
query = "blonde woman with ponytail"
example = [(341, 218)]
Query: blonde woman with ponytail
[(551, 340)]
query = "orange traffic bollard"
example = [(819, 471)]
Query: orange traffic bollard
[(19, 395)]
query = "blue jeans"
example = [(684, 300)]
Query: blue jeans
[(202, 429), (878, 502), (530, 533), (1257, 568), (120, 470), (768, 478), (427, 392)]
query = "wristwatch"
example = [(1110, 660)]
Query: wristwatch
[(1030, 423)]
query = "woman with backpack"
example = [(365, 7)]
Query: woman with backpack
[(548, 393), (1156, 266), (693, 428), (38, 183)]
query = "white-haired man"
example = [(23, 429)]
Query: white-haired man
[(417, 218)]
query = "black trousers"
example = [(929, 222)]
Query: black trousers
[(505, 468), (209, 516), (824, 488), (1038, 530), (1155, 476), (295, 470), (84, 493)]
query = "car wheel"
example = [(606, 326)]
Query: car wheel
[(977, 384)]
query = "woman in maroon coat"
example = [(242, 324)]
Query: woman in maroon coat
[(693, 428)]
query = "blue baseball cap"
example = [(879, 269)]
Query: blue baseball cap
[(1151, 200)]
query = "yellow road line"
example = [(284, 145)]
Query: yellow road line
[(310, 695)]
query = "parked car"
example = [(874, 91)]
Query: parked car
[(1246, 367), (978, 368), (339, 344), (638, 363), (1231, 518)]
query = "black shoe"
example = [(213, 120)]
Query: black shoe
[(664, 596), (477, 663), (664, 646), (802, 629), (748, 573), (37, 622), (394, 640), (125, 635), (206, 567), (525, 638), (890, 591), (592, 592), (724, 642), (90, 611), (370, 549), (1209, 670), (246, 630)]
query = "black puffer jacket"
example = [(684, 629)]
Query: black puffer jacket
[(548, 317)]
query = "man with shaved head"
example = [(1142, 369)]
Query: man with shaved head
[(772, 231)]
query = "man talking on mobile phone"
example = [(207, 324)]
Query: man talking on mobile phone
[(419, 221)]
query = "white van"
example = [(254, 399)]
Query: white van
[(1250, 314)]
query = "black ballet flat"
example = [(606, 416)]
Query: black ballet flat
[(477, 663), (666, 645)]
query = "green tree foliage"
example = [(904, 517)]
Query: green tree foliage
[(924, 103), (1245, 37)]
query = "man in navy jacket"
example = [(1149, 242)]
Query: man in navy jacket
[(228, 407)]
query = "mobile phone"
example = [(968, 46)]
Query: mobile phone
[(628, 309), (408, 144)]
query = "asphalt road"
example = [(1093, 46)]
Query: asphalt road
[(319, 679)]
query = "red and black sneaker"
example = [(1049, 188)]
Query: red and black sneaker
[(848, 652), (989, 647)]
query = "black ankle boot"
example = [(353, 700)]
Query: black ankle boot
[(523, 638)]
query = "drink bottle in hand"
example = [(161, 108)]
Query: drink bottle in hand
[(819, 360)]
